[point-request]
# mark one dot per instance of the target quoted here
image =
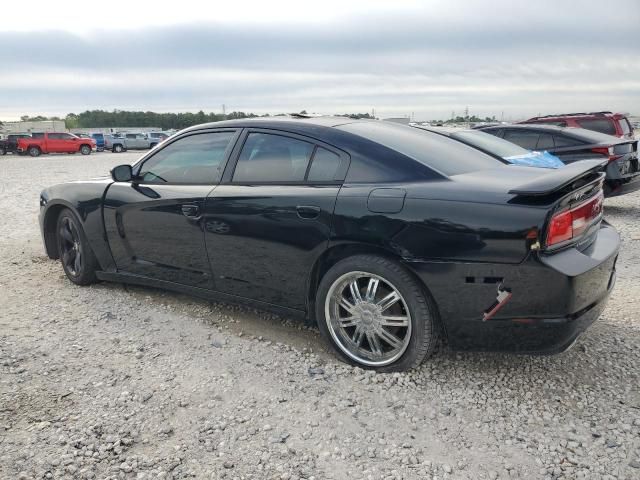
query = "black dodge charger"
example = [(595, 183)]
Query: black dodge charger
[(388, 237)]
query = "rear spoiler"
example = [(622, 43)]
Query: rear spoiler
[(555, 180)]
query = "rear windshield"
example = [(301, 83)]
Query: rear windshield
[(602, 125), (490, 143), (440, 153)]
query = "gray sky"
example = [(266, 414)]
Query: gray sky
[(427, 57)]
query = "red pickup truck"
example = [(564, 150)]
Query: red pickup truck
[(55, 142)]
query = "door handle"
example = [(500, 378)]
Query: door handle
[(308, 211), (190, 210)]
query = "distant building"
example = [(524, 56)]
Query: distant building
[(111, 130), (28, 127)]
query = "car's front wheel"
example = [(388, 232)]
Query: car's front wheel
[(34, 151), (85, 150), (78, 260), (376, 315), (118, 148)]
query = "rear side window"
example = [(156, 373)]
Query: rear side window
[(545, 142), (37, 135), (193, 160), (324, 166), (564, 141), (524, 138), (602, 125), (267, 157)]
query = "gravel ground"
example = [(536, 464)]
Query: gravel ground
[(121, 382)]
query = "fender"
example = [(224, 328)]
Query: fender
[(85, 200)]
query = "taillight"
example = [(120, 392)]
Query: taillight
[(572, 223), (606, 151)]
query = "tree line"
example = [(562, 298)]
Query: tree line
[(165, 121)]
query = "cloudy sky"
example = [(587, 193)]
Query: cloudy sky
[(512, 58)]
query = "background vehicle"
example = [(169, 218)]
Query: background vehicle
[(374, 230), (10, 144), (55, 142), (139, 141), (99, 138), (575, 144), (158, 136), (498, 147), (615, 124), (115, 143)]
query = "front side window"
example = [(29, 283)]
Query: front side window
[(524, 138), (266, 157), (196, 160)]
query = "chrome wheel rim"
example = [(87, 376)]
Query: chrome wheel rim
[(70, 247), (368, 318)]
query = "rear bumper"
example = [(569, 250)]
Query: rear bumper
[(553, 300)]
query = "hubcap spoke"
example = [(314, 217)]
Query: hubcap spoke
[(372, 289), (348, 322), (390, 338), (358, 335), (77, 264), (374, 344), (391, 321), (66, 234), (346, 304), (388, 301), (355, 291)]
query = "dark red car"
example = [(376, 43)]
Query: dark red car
[(615, 124)]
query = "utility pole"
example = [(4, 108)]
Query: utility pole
[(224, 109)]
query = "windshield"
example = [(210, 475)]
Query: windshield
[(490, 143), (440, 153)]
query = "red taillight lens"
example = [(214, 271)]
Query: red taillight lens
[(606, 151), (573, 222)]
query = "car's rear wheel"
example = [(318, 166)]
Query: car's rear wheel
[(77, 258), (34, 151), (118, 148), (85, 150), (375, 314)]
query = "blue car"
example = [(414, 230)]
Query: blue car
[(99, 138), (495, 146)]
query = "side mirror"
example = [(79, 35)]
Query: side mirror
[(122, 173)]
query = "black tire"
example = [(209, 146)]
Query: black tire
[(153, 145), (4, 151), (117, 148), (34, 151), (424, 331), (82, 271), (85, 150)]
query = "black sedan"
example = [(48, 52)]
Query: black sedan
[(575, 144), (388, 237)]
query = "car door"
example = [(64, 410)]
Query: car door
[(130, 139), (270, 218), (154, 223), (55, 143)]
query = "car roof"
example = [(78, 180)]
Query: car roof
[(533, 126), (299, 123)]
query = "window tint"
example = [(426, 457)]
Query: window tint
[(196, 159), (324, 166), (130, 135), (602, 125), (564, 141), (545, 142), (443, 154), (59, 136), (272, 158), (524, 138), (37, 135)]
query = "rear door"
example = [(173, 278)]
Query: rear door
[(270, 218), (154, 225)]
